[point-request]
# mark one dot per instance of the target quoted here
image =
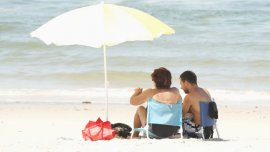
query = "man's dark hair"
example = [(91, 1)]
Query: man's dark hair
[(189, 76), (162, 78)]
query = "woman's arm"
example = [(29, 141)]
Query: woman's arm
[(139, 96)]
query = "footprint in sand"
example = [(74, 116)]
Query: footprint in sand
[(64, 138)]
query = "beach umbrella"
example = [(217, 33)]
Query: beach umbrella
[(100, 26)]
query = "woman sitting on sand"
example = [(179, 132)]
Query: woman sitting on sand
[(162, 92)]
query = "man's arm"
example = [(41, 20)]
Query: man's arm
[(186, 105)]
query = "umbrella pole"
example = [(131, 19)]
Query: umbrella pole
[(105, 80)]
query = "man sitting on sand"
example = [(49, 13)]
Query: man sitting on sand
[(191, 106)]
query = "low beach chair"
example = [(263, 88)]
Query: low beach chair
[(160, 113), (206, 120)]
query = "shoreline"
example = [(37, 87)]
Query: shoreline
[(122, 95), (89, 103)]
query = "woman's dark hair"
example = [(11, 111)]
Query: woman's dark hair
[(189, 76), (162, 78)]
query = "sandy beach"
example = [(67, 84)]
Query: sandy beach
[(54, 127), (226, 43)]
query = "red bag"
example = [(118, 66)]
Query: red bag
[(98, 130)]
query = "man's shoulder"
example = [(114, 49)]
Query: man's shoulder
[(206, 91)]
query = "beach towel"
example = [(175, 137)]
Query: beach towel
[(98, 130)]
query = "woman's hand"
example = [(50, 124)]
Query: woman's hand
[(138, 91), (140, 96), (135, 99)]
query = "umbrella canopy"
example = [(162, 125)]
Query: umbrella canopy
[(100, 26)]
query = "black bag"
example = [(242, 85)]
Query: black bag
[(122, 130), (213, 111)]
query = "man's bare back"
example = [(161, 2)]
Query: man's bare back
[(192, 101)]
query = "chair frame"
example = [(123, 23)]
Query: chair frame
[(146, 131), (213, 122)]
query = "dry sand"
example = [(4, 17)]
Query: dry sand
[(51, 127)]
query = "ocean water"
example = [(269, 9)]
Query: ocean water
[(225, 42)]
